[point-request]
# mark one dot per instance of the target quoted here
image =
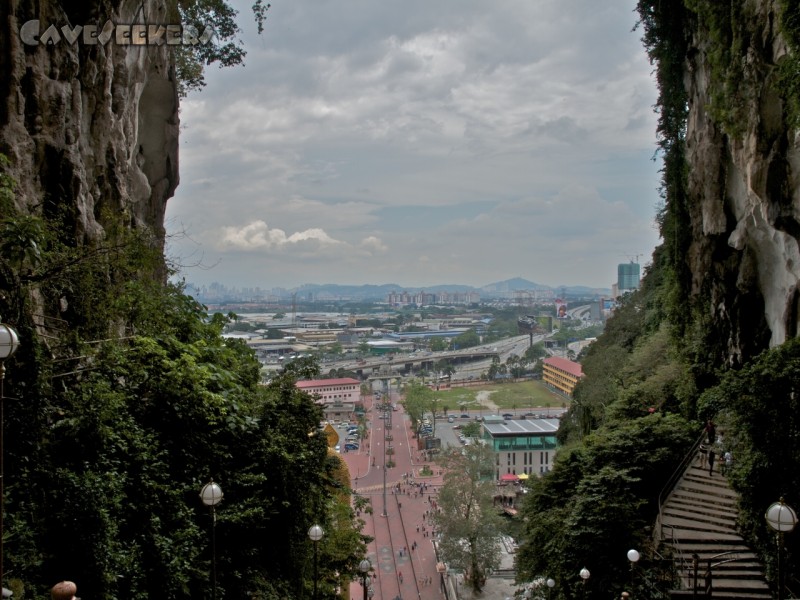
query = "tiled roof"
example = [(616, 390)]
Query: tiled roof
[(570, 367)]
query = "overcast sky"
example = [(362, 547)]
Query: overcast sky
[(421, 142)]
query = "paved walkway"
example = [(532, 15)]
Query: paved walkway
[(402, 553)]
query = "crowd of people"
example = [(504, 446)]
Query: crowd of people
[(713, 448)]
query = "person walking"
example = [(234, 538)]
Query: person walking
[(711, 431), (711, 457), (727, 462)]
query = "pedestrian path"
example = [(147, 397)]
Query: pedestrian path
[(698, 525), (402, 554)]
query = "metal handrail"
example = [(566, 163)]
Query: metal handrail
[(673, 479)]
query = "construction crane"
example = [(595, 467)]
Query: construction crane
[(633, 257)]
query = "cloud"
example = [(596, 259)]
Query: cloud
[(259, 237), (423, 141)]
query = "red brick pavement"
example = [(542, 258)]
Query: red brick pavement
[(405, 523)]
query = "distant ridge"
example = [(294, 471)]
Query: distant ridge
[(373, 292)]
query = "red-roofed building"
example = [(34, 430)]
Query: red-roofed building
[(562, 374), (338, 396)]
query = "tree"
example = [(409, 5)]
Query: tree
[(104, 471), (469, 524), (494, 368), (535, 352), (471, 429), (223, 48), (363, 347), (468, 339), (597, 501), (438, 344), (420, 399)]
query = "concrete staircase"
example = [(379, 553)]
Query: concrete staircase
[(698, 522)]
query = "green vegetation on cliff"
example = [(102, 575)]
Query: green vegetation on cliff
[(670, 357), (121, 403)]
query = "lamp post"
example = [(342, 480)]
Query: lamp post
[(550, 585), (633, 556), (364, 566), (315, 532), (9, 342), (782, 519), (585, 574), (211, 495)]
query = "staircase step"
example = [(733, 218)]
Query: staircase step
[(699, 518), (715, 521), (684, 530), (711, 493)]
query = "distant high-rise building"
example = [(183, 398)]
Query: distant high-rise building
[(627, 277)]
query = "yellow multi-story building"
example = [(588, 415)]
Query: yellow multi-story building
[(561, 374)]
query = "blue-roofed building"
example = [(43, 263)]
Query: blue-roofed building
[(521, 446)]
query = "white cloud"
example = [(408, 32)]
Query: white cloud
[(259, 237)]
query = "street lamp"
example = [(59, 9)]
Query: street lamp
[(364, 566), (633, 556), (585, 574), (9, 342), (781, 518), (211, 495), (315, 532)]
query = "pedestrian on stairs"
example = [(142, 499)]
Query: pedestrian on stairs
[(703, 456), (711, 457), (711, 431), (727, 462)]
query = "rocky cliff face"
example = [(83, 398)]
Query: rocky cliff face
[(743, 181), (91, 129)]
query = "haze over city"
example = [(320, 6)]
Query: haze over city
[(420, 144)]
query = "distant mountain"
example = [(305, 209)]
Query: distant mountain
[(516, 283), (335, 292)]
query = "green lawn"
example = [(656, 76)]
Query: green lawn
[(511, 396)]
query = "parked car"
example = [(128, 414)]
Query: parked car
[(508, 416), (450, 419), (351, 446), (464, 416)]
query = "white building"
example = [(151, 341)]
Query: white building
[(521, 446), (338, 396)]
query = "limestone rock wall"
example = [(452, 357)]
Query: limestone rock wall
[(90, 129), (744, 194)]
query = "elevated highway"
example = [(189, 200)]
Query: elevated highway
[(382, 367)]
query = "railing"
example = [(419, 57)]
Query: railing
[(670, 485)]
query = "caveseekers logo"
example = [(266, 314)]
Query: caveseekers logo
[(124, 35)]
